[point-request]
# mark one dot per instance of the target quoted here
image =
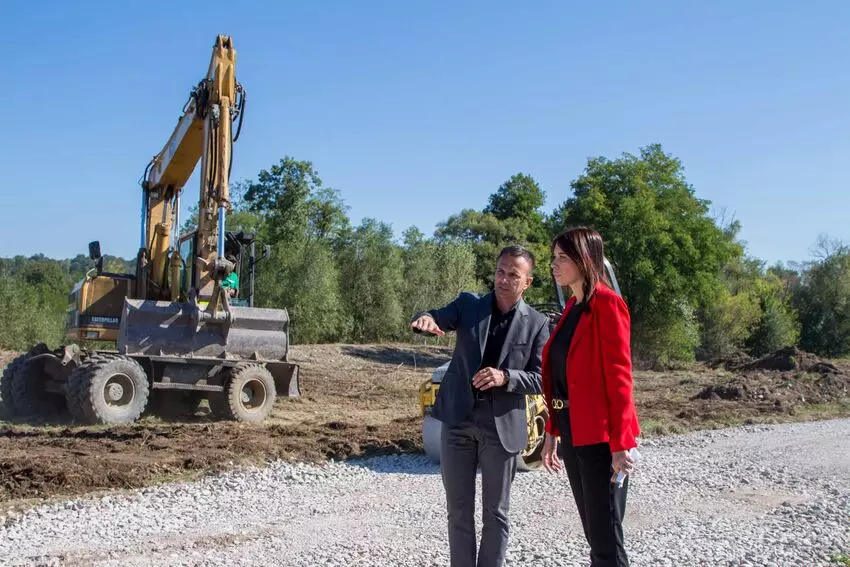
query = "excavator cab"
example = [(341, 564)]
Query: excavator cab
[(96, 301), (242, 246)]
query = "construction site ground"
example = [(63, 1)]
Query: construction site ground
[(361, 400)]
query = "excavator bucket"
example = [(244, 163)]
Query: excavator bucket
[(164, 328), (169, 329)]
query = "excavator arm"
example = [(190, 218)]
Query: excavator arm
[(203, 133)]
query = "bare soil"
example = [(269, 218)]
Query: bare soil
[(361, 400)]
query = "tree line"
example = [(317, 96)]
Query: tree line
[(693, 291)]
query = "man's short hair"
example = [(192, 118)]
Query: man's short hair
[(517, 251)]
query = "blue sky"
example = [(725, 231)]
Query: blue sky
[(415, 110)]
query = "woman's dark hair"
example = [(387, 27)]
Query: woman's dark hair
[(584, 246)]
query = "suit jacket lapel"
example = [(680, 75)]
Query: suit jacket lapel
[(516, 323), (485, 308)]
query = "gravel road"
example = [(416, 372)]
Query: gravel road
[(777, 495)]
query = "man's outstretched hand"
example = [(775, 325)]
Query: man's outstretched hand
[(426, 324)]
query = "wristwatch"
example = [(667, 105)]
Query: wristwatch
[(507, 375)]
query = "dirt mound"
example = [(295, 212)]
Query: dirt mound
[(784, 378), (788, 359), (780, 388), (727, 392), (730, 362)]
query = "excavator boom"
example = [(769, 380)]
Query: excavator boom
[(203, 133)]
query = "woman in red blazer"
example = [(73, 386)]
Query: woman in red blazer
[(587, 384)]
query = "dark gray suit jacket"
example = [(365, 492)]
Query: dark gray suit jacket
[(521, 355)]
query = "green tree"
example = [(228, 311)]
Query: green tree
[(327, 216), (486, 235), (306, 282), (30, 313), (434, 272), (666, 249), (520, 197), (823, 302), (513, 215), (281, 196), (46, 274), (779, 324), (421, 287), (304, 222), (11, 266), (79, 265), (669, 339), (728, 319), (372, 272), (752, 312), (727, 323)]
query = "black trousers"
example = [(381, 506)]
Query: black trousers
[(601, 503)]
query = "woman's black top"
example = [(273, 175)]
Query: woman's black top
[(558, 350)]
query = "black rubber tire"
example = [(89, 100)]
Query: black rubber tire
[(90, 385), (76, 391), (7, 403), (28, 393), (248, 396), (174, 405)]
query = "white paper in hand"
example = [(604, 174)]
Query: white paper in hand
[(621, 476)]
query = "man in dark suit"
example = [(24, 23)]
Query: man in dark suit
[(481, 402)]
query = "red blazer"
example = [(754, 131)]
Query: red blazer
[(599, 374)]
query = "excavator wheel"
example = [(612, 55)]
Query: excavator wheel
[(108, 390), (29, 395), (7, 404), (248, 396), (75, 392)]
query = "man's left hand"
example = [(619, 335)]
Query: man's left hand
[(487, 378)]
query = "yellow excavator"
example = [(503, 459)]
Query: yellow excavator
[(177, 335)]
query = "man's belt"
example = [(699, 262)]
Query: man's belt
[(559, 404), (481, 395)]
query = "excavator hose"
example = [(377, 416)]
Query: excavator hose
[(241, 111)]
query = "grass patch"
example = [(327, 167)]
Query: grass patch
[(830, 410), (658, 427), (655, 423)]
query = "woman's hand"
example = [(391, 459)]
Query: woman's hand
[(551, 462), (621, 461)]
